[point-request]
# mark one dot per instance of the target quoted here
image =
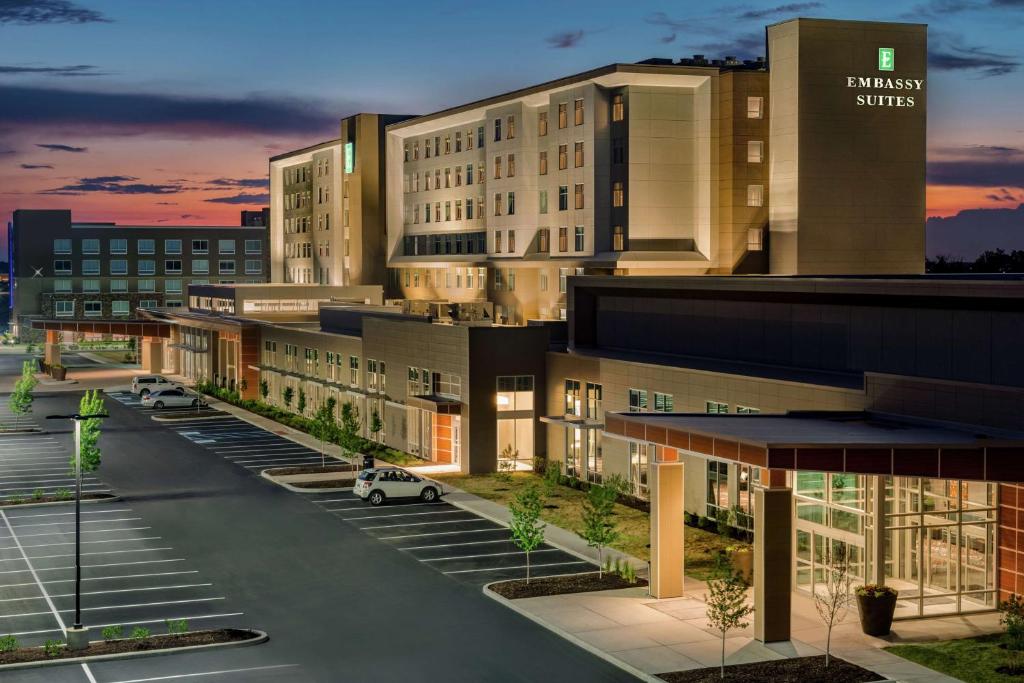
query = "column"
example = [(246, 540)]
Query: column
[(51, 352), (665, 484), (152, 354), (877, 549), (773, 557)]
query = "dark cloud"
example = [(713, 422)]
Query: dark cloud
[(6, 151), (130, 113), (112, 184), (746, 45), (47, 12), (981, 152), (242, 198), (240, 182), (30, 167), (565, 39), (189, 215), (167, 203), (61, 148), (791, 8), (73, 70), (972, 231), (706, 35), (1004, 195), (976, 59), (670, 38), (977, 173), (938, 9)]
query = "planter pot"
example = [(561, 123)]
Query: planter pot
[(743, 564), (876, 614), (59, 373)]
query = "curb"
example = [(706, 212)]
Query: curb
[(628, 668), (172, 420), (258, 637), (295, 489), (27, 430), (85, 501)]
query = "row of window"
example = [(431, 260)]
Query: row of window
[(376, 371), (472, 211), (148, 267), (171, 286), (91, 246), (503, 278), (445, 243), (65, 308)]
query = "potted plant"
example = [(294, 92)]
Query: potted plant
[(742, 558), (58, 372), (876, 604)]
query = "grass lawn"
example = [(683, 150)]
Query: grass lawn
[(564, 508), (969, 659)]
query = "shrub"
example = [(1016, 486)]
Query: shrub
[(1012, 616), (112, 632), (52, 647), (64, 494), (552, 473), (38, 494), (689, 519), (140, 633), (874, 590), (177, 626), (8, 644), (706, 523), (628, 572), (722, 522)]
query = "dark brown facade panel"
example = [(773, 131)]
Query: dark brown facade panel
[(869, 460), (614, 425), (702, 444), (915, 462), (962, 463), (820, 459), (657, 435), (753, 455), (1004, 464), (782, 458), (677, 439), (635, 430), (729, 450)]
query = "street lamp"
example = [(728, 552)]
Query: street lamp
[(78, 635)]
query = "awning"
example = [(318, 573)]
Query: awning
[(134, 328), (854, 442), (572, 422), (435, 404)]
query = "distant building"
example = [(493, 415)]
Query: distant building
[(256, 219)]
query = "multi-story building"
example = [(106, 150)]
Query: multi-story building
[(66, 270), (327, 207), (667, 167)]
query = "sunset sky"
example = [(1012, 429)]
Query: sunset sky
[(166, 112)]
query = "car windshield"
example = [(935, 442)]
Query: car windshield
[(367, 476)]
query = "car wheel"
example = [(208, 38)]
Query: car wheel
[(144, 392), (376, 497), (195, 403), (428, 495), (158, 405)]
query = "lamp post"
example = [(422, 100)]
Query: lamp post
[(78, 635)]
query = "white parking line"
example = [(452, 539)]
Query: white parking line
[(221, 672), (404, 514), (68, 514), (100, 552), (498, 569), (102, 607), (134, 623), (451, 521), (48, 486), (278, 463), (88, 521), (94, 566), (119, 590), (442, 533), (284, 455), (455, 545), (103, 578), (84, 531), (469, 557), (106, 540)]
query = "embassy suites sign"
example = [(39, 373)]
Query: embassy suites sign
[(885, 91)]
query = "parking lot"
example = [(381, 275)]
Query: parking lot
[(455, 542), (36, 465), (133, 401)]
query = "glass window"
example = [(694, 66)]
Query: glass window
[(637, 400), (497, 130), (62, 285), (90, 246), (91, 286), (755, 107), (200, 246), (62, 246), (618, 238), (172, 246), (563, 197), (716, 408), (64, 309), (542, 124), (93, 309), (62, 267), (172, 286), (662, 403), (579, 195), (755, 151), (618, 107), (225, 246), (543, 240), (563, 114), (542, 163), (618, 194), (147, 267), (578, 155), (578, 113), (563, 157), (718, 487), (118, 285), (118, 266), (580, 239), (148, 303), (226, 267), (172, 266), (119, 246), (200, 266), (253, 247), (638, 459), (119, 307), (147, 285), (253, 267), (90, 266), (146, 246), (755, 195)]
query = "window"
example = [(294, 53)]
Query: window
[(353, 370), (200, 266), (90, 286), (448, 144), (542, 281), (225, 246), (544, 240), (511, 248), (147, 303), (172, 246), (119, 308), (118, 285), (146, 246), (618, 108), (497, 203), (662, 403), (480, 136), (511, 165), (118, 266), (638, 459), (563, 114), (64, 309), (447, 211), (499, 279), (718, 487), (755, 107), (469, 174), (579, 195), (458, 141), (469, 209), (62, 267), (497, 130), (172, 286), (578, 155), (579, 238), (119, 246), (62, 246), (147, 285), (226, 267), (497, 241), (563, 240), (62, 285), (200, 246), (755, 239), (578, 113), (458, 209), (618, 239), (542, 163), (716, 408), (743, 410), (542, 124), (563, 157), (172, 303), (146, 266), (637, 400), (573, 405), (93, 309), (563, 197), (542, 201), (448, 177), (90, 246), (755, 151), (510, 127), (253, 247), (511, 204), (90, 266), (497, 167), (563, 280), (253, 267), (755, 195), (458, 176)]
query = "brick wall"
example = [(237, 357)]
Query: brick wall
[(1011, 540)]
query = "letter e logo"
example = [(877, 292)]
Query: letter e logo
[(886, 59)]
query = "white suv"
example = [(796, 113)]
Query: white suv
[(144, 384), (380, 483)]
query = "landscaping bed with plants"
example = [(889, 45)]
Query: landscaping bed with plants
[(139, 640), (36, 497), (795, 670), (561, 585), (311, 469)]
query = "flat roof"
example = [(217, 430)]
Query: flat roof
[(305, 150)]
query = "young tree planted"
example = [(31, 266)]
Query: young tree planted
[(350, 426), (20, 400), (832, 597), (527, 529), (264, 389), (323, 427), (287, 396), (727, 607), (376, 425), (301, 404), (91, 404), (599, 528)]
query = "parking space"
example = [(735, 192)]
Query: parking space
[(245, 444), (36, 465), (9, 420), (131, 400)]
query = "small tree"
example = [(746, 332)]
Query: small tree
[(727, 607), (323, 427), (1012, 617), (91, 404), (599, 528), (832, 598), (301, 404), (348, 434), (527, 529), (376, 424), (287, 395), (264, 389), (20, 400)]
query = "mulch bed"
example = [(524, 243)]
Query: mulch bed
[(322, 484), (120, 646), (796, 670), (561, 585), (29, 500), (309, 469)]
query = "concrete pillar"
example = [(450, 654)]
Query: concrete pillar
[(665, 484), (152, 354), (51, 352), (773, 560), (877, 550)]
